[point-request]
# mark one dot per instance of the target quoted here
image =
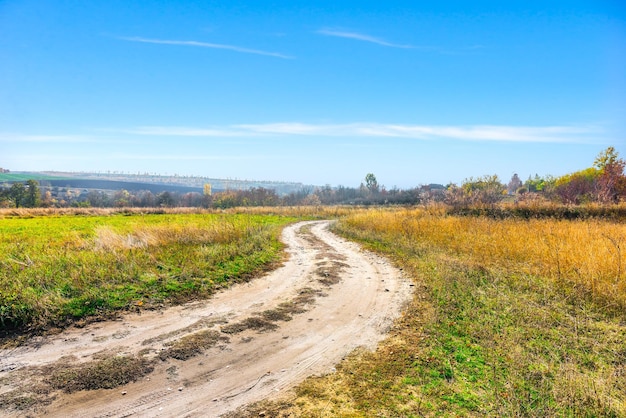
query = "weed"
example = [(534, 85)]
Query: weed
[(191, 345), (100, 374), (254, 322)]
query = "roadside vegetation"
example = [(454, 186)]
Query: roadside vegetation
[(510, 318), (56, 270)]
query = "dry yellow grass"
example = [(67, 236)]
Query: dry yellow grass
[(299, 211), (584, 255)]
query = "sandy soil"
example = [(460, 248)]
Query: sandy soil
[(356, 297)]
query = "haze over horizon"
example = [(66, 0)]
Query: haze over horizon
[(323, 93)]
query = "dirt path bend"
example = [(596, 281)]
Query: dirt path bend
[(329, 298)]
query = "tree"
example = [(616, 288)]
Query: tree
[(99, 199), (165, 199), (146, 199), (576, 187), (33, 194), (371, 183), (536, 184), (610, 184), (17, 194), (121, 198), (48, 200), (606, 158), (514, 184), (484, 190), (311, 200), (603, 182), (5, 197)]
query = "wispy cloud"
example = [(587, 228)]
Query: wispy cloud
[(205, 45), (496, 133), (363, 37), (228, 131), (372, 39), (468, 133)]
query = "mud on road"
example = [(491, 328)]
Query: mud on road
[(251, 342)]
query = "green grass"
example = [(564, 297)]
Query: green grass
[(27, 176), (480, 338), (59, 269)]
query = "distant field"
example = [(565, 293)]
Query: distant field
[(55, 269), (78, 183), (154, 183), (97, 184), (10, 177)]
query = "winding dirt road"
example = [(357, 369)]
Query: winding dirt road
[(329, 298)]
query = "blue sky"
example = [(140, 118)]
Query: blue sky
[(320, 92)]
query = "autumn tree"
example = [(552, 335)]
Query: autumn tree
[(514, 184), (603, 182), (455, 196), (484, 190), (576, 187), (122, 198), (611, 182)]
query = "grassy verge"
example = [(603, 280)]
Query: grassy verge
[(503, 323), (60, 269)]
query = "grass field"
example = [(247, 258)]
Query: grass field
[(23, 177), (60, 269), (510, 318)]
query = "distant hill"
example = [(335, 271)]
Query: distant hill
[(155, 183), (11, 177)]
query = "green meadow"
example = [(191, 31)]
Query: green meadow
[(60, 269)]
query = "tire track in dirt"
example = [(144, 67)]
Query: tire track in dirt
[(328, 299)]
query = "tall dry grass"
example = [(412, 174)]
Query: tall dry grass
[(585, 256), (296, 211)]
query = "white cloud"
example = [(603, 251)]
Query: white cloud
[(361, 37), (205, 45), (185, 131), (499, 133)]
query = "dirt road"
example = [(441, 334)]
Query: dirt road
[(329, 298)]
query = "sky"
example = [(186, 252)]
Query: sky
[(318, 92)]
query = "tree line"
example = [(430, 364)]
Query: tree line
[(603, 182)]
